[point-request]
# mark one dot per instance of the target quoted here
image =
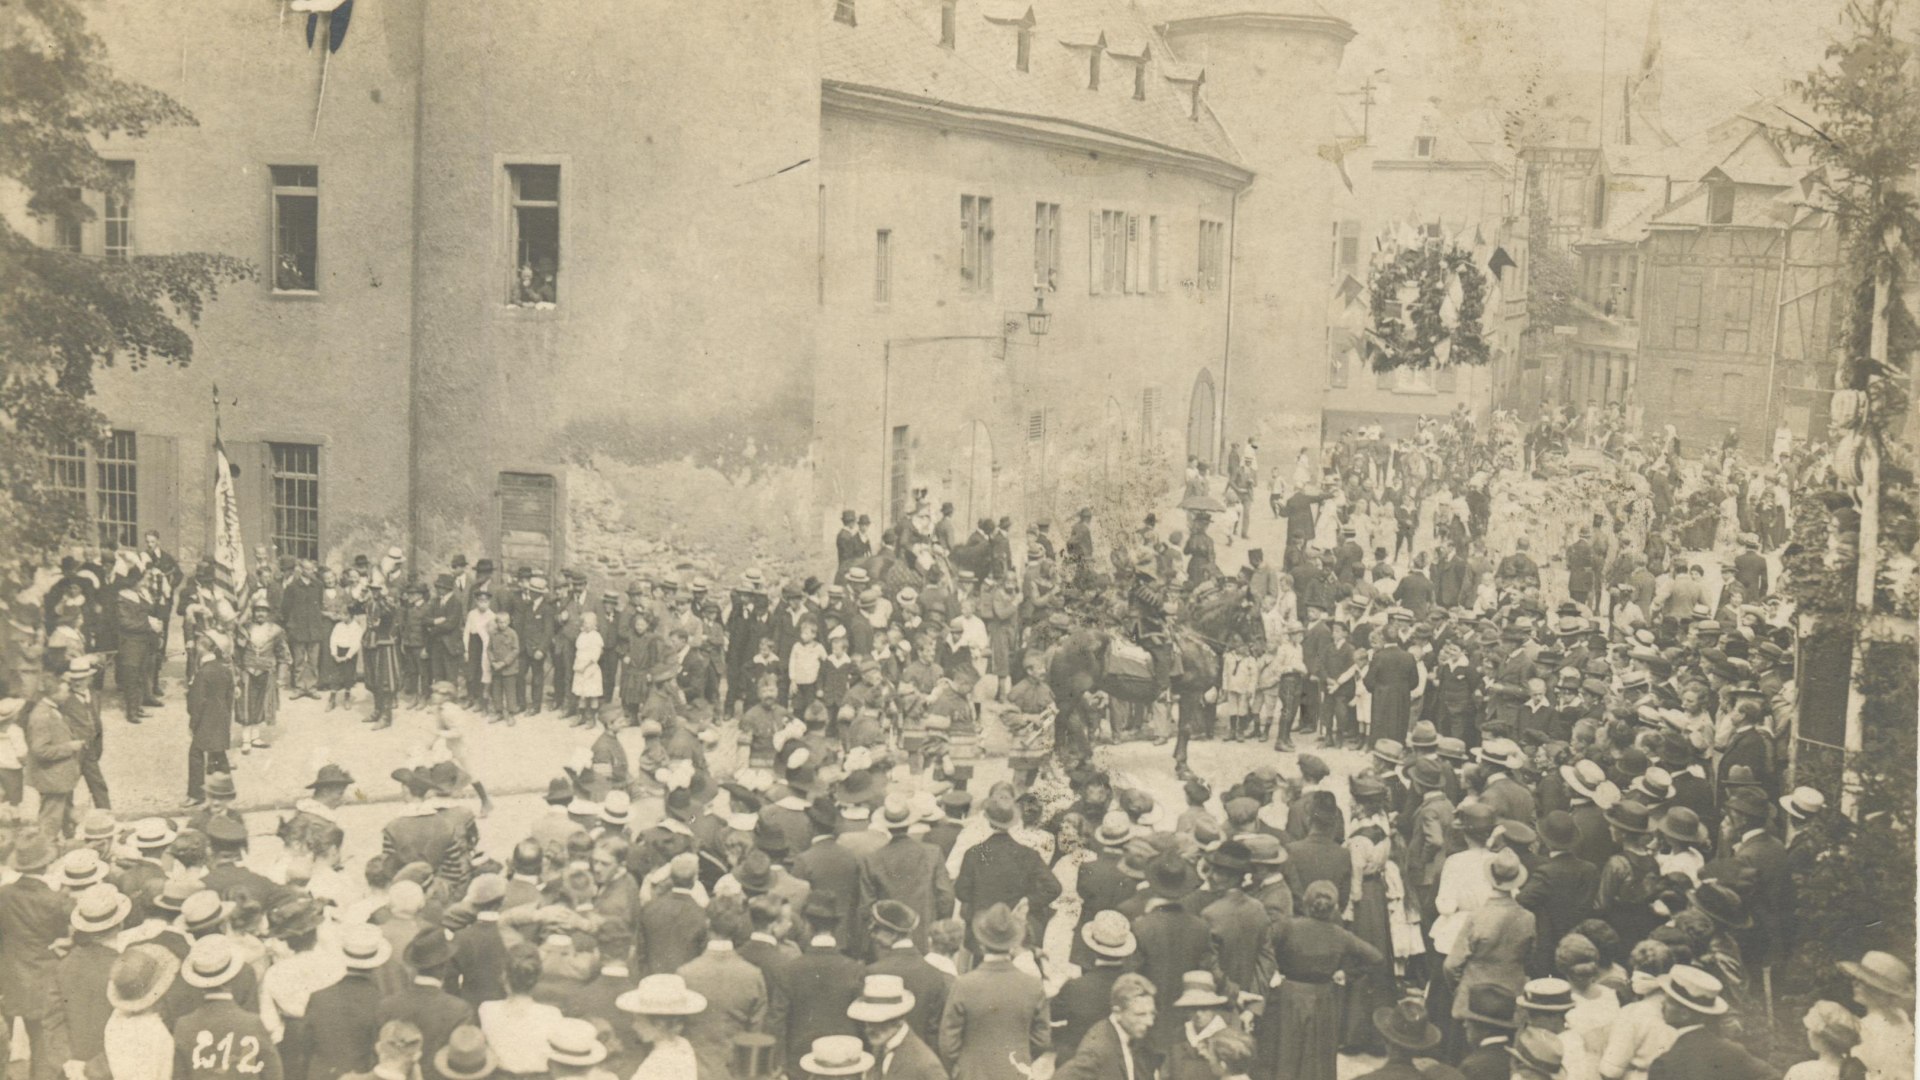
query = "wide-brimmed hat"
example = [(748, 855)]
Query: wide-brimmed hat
[(1264, 849), (330, 775), (1803, 802), (82, 868), (430, 950), (1681, 825), (1502, 752), (213, 962), (153, 832), (1170, 877), (1694, 989), (295, 915), (1538, 1050), (1109, 934), (466, 1056), (1423, 735), (1198, 991), (1629, 815), (895, 916), (1506, 871), (661, 995), (837, 1055), (1115, 829), (203, 911), (882, 998), (1584, 776), (1722, 904), (574, 1042), (220, 786), (1546, 995), (1390, 751), (140, 977), (1426, 773), (99, 909), (1882, 971), (1653, 786), (1751, 801), (364, 948), (1491, 1004), (997, 930), (1405, 1024)]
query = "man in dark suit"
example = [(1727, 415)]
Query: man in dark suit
[(1750, 567), (1691, 787), (306, 625), (1242, 932), (1693, 1009), (821, 983), (446, 622), (910, 871), (1490, 1023), (772, 956), (828, 866), (419, 833), (83, 974), (1086, 999), (209, 715), (1102, 883), (943, 834), (344, 1019), (479, 950), (1771, 899), (1002, 870), (139, 634), (672, 928), (534, 621), (1594, 843), (1560, 890), (899, 1051), (891, 928), (33, 915), (1173, 941), (425, 1003), (1115, 1047), (1318, 857)]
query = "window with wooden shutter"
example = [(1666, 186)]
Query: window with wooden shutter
[(1135, 281), (1096, 253)]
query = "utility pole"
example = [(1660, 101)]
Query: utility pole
[(1367, 102), (1868, 570)]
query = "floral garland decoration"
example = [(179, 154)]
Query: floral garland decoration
[(1410, 335)]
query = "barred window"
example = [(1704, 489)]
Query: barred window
[(119, 216), (296, 499), (67, 469), (117, 491)]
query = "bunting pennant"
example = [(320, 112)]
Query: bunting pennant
[(338, 13), (1500, 261), (1349, 290)]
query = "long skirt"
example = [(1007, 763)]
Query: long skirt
[(337, 674), (1299, 1036), (1370, 988)]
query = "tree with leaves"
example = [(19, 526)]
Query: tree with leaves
[(1862, 131), (62, 315)]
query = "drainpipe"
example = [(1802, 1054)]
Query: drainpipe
[(1226, 344)]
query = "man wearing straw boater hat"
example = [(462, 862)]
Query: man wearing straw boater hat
[(85, 973), (1086, 999), (344, 1020), (900, 1052), (1693, 1008), (219, 1032)]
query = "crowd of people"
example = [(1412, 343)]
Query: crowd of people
[(1560, 842)]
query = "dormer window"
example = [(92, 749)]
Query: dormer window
[(949, 20), (1095, 42), (1423, 146), (1019, 15), (1023, 50), (1719, 202), (843, 11), (1093, 69), (1189, 79), (1140, 80), (1193, 102)]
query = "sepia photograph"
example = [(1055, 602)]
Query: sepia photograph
[(559, 541)]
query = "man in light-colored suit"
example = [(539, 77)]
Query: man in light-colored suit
[(995, 1022)]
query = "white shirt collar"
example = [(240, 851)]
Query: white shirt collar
[(764, 937)]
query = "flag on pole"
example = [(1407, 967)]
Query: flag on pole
[(229, 554)]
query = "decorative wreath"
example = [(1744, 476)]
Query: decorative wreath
[(1411, 335)]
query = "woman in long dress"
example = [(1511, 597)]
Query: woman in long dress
[(1370, 844), (586, 668), (1299, 1032)]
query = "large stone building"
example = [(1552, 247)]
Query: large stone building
[(558, 285)]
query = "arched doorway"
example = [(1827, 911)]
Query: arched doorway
[(979, 474), (1201, 440)]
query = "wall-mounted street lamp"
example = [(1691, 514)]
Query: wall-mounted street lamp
[(1039, 320)]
